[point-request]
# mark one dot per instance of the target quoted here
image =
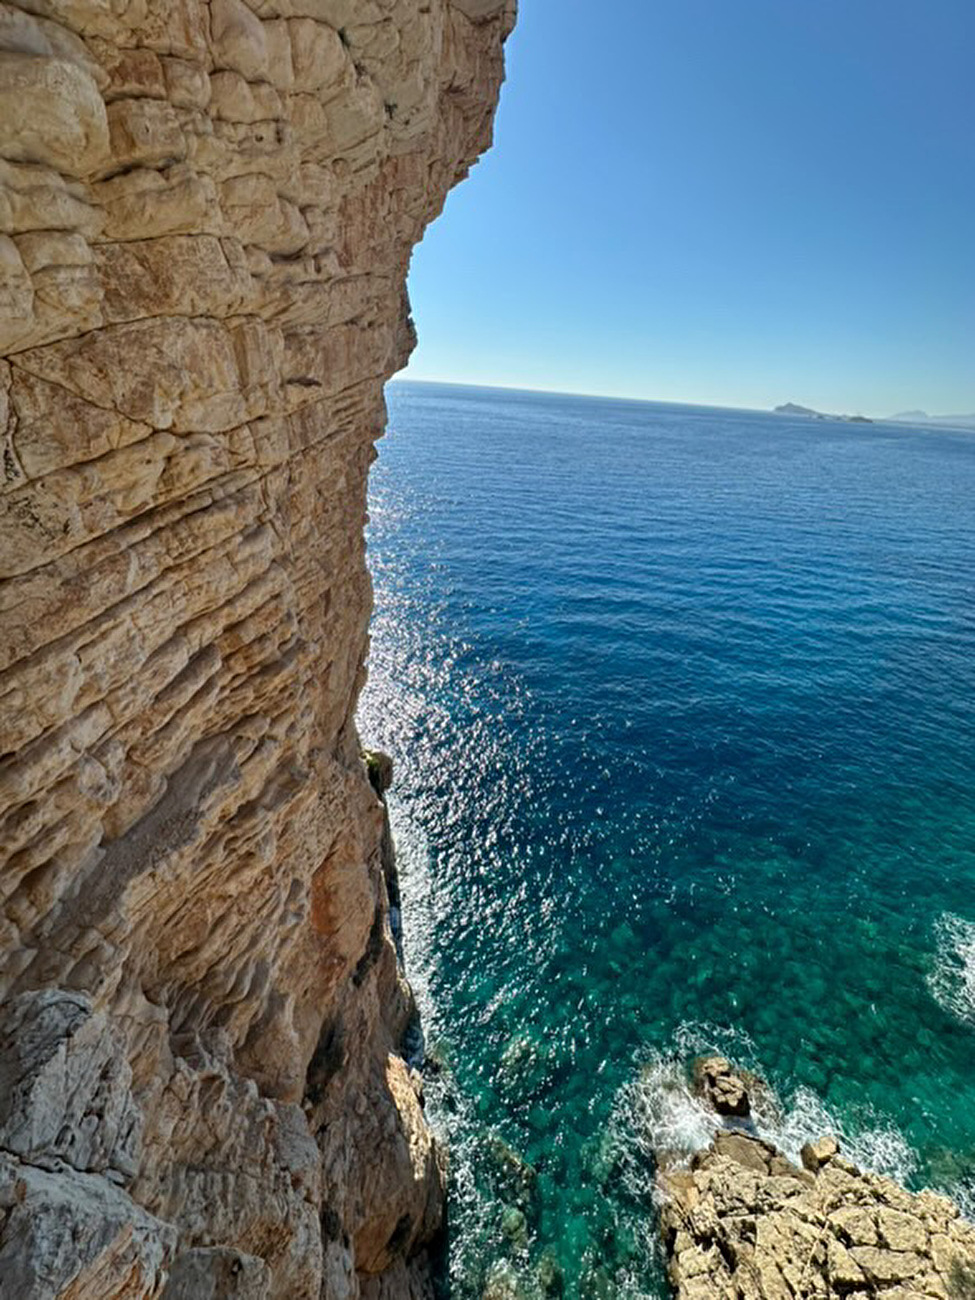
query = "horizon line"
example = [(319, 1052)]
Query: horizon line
[(651, 401), (400, 378)]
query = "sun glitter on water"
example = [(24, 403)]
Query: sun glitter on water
[(682, 704)]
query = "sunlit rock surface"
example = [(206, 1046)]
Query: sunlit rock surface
[(745, 1223), (207, 214)]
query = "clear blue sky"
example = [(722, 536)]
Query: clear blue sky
[(739, 202)]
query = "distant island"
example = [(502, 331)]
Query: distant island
[(942, 421), (792, 408), (902, 417)]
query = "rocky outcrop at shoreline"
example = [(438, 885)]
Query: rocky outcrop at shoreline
[(745, 1223), (207, 211)]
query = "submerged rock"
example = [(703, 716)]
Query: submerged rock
[(502, 1283), (551, 1280), (514, 1225), (516, 1180), (745, 1223), (523, 1067), (597, 1284)]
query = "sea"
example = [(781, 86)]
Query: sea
[(682, 707)]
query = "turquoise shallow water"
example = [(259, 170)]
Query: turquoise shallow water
[(682, 703)]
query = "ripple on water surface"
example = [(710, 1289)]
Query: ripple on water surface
[(681, 702)]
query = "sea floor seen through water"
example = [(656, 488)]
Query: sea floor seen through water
[(682, 707)]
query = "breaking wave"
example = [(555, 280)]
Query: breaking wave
[(952, 981), (658, 1117)]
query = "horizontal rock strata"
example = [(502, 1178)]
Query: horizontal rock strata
[(207, 209), (745, 1223)]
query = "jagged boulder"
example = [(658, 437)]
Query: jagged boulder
[(723, 1089)]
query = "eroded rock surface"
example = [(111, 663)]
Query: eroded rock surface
[(206, 216), (745, 1223), (722, 1087)]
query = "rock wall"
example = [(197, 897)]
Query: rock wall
[(208, 208)]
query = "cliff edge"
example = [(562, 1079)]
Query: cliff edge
[(208, 209)]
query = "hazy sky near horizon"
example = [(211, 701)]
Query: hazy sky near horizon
[(737, 203)]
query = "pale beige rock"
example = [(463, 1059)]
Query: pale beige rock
[(51, 111), (144, 133), (74, 1234), (816, 1154), (758, 1228), (744, 1223), (721, 1087), (238, 39), (207, 211)]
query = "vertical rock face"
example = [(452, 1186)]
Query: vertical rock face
[(207, 212)]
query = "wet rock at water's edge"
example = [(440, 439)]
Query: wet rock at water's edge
[(743, 1222)]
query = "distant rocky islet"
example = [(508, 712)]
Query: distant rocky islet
[(902, 417), (791, 408)]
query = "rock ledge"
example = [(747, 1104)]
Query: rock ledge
[(745, 1223)]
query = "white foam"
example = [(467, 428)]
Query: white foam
[(952, 981), (669, 1121), (963, 1194), (418, 919), (658, 1116), (450, 1110), (870, 1141)]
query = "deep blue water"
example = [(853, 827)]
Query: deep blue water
[(682, 703)]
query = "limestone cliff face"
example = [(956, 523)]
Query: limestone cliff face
[(207, 211)]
